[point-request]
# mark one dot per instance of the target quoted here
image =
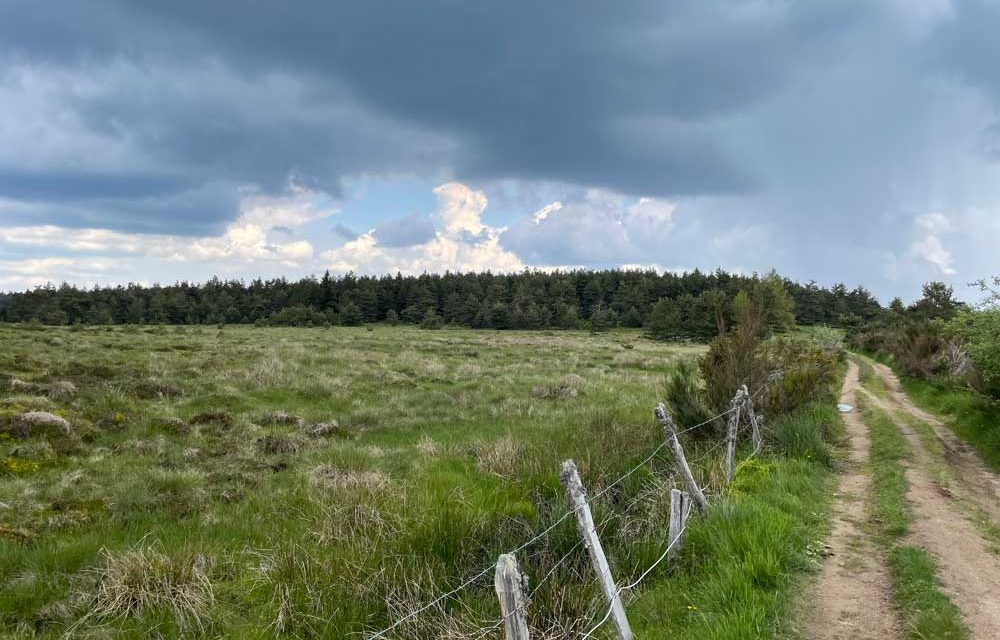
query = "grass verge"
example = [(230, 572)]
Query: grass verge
[(973, 417), (927, 611), (743, 567)]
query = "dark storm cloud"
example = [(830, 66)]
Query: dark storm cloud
[(967, 44), (197, 211), (261, 93), (62, 185), (590, 93)]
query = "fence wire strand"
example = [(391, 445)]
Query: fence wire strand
[(636, 582), (773, 377)]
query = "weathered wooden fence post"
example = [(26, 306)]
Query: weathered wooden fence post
[(680, 508), (510, 585), (734, 424), (752, 416), (670, 433), (585, 525)]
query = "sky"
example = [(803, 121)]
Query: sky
[(851, 141)]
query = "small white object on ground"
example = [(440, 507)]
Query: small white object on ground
[(845, 408)]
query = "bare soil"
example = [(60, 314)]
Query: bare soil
[(853, 598), (972, 477), (969, 570)]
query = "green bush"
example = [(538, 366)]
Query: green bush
[(684, 396), (809, 373), (431, 320), (350, 315), (733, 359), (603, 319), (807, 362), (297, 316), (980, 332), (920, 338)]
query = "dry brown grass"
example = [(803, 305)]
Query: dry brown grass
[(501, 457), (360, 523), (330, 477), (145, 578)]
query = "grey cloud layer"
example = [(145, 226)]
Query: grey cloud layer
[(584, 93)]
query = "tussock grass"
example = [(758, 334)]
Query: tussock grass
[(330, 477), (807, 434), (440, 459), (145, 579), (501, 457)]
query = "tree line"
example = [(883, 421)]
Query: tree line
[(940, 338), (691, 305)]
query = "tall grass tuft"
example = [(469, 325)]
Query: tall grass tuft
[(807, 433), (145, 579)]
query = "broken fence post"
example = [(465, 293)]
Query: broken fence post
[(734, 424), (670, 433), (680, 509), (510, 585), (585, 525)]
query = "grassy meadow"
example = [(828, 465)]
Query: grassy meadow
[(262, 482)]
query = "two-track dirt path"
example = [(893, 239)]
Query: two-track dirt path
[(969, 569), (970, 477), (853, 596)]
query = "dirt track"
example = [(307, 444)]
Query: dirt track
[(853, 598)]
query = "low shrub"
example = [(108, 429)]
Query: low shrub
[(809, 373), (794, 370), (684, 396), (980, 332)]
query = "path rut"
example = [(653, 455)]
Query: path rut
[(969, 570), (853, 598)]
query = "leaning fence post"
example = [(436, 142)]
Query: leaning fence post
[(509, 585), (752, 416), (680, 508), (585, 525), (670, 433), (734, 424)]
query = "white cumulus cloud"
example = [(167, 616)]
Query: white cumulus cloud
[(462, 242), (930, 247), (244, 246), (599, 227)]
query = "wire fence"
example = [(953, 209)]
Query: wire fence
[(743, 399)]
